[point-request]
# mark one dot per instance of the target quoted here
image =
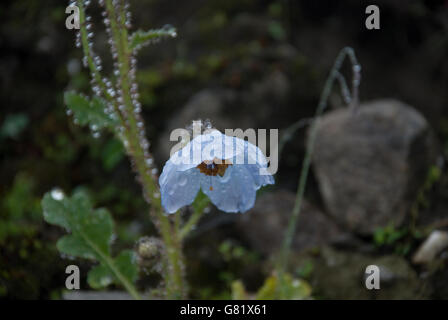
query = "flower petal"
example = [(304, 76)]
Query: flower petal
[(259, 179), (178, 188), (207, 147), (237, 194), (255, 162)]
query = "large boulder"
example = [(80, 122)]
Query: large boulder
[(370, 162)]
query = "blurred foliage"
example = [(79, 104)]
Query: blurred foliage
[(295, 289), (21, 209), (305, 270), (237, 256), (400, 240), (389, 235), (13, 125), (26, 259)]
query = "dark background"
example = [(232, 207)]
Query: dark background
[(267, 60)]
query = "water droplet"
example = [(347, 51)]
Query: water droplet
[(182, 181), (104, 281), (111, 92), (149, 162), (57, 194)]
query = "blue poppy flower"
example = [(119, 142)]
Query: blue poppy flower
[(229, 171)]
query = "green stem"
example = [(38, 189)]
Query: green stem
[(96, 74), (334, 73), (174, 278), (191, 223), (200, 203)]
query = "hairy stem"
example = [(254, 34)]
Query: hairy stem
[(134, 141), (96, 76)]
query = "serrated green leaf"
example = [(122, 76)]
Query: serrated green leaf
[(91, 229), (90, 238), (141, 38), (54, 211), (76, 246), (89, 112), (101, 276), (126, 263), (96, 227)]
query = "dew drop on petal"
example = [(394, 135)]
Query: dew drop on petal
[(182, 181)]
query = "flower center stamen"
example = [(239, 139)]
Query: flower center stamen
[(214, 167)]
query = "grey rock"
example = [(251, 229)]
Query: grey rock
[(340, 274), (439, 280), (264, 226), (431, 247), (275, 86), (370, 164)]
